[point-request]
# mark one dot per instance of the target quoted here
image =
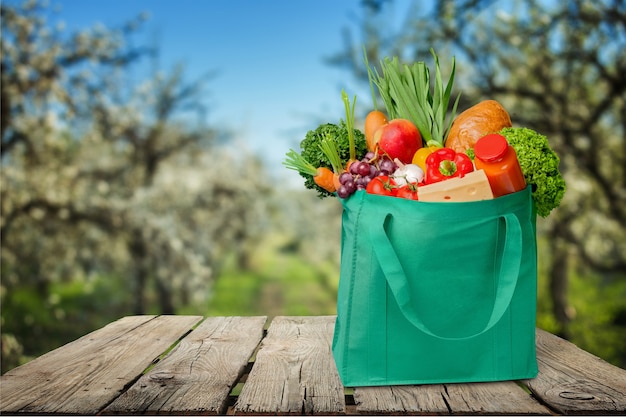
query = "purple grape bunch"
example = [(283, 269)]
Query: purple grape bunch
[(363, 171)]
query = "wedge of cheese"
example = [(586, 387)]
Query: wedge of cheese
[(473, 186)]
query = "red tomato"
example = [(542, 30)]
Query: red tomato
[(408, 191), (382, 185)]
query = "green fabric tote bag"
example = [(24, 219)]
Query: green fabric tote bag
[(436, 292)]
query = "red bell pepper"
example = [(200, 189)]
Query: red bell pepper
[(445, 163)]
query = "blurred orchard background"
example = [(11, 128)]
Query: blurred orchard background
[(118, 197)]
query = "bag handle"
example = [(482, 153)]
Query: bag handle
[(398, 283)]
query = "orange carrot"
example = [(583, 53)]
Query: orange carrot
[(373, 121), (336, 182), (325, 179)]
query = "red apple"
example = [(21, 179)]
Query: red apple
[(399, 138)]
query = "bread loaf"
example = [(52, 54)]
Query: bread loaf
[(484, 118)]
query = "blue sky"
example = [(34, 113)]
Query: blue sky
[(272, 85)]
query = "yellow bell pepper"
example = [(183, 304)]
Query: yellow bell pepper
[(419, 158)]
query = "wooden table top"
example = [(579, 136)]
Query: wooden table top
[(233, 365)]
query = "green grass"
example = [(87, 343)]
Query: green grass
[(281, 283)]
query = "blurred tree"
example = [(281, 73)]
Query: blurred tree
[(559, 68), (104, 176)]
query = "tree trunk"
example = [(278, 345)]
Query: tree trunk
[(165, 297), (140, 285), (559, 287), (138, 252)]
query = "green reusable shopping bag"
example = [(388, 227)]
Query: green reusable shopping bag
[(436, 292)]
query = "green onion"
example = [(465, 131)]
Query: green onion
[(349, 122), (406, 93), (329, 147), (297, 162)]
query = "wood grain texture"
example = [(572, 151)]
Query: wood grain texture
[(294, 372), (503, 398), (197, 375), (104, 372), (477, 398), (400, 399), (85, 375), (572, 381)]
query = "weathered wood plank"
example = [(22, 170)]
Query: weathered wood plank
[(197, 376), (294, 371), (400, 399), (477, 398), (503, 398), (85, 375), (572, 381)]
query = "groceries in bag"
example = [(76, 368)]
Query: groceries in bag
[(419, 124)]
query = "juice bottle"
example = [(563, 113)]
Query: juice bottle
[(498, 159)]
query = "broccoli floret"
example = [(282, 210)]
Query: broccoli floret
[(540, 165), (310, 150)]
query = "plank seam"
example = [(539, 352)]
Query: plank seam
[(445, 399), (228, 407), (531, 393), (156, 360)]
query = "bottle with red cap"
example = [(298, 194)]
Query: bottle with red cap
[(498, 159)]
